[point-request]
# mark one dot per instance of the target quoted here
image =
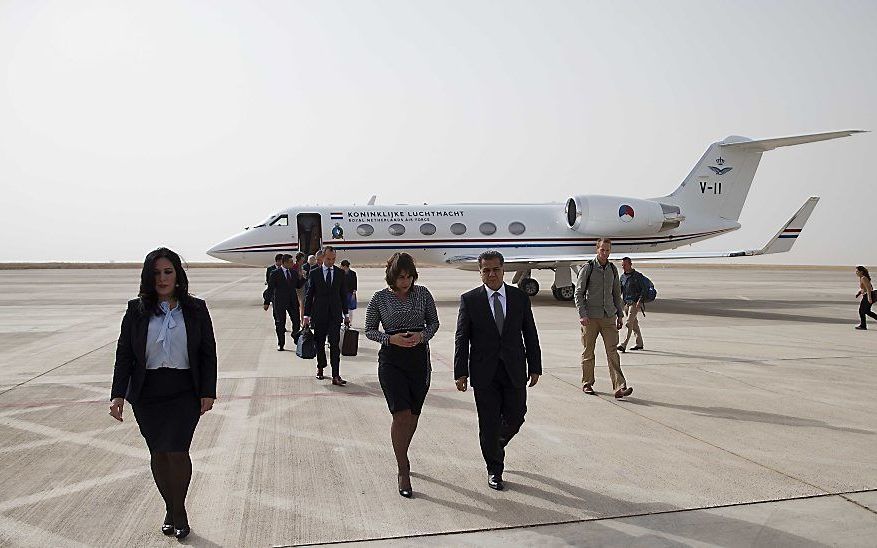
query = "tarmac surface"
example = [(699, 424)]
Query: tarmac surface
[(752, 423)]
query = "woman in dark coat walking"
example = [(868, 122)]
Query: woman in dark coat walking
[(166, 369)]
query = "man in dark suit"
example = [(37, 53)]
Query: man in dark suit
[(325, 304), (266, 295), (350, 280), (498, 346), (282, 285)]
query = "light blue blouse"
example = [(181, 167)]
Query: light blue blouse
[(166, 341)]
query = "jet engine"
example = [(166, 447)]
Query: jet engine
[(619, 216)]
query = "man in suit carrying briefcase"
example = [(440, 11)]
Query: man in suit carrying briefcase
[(282, 285), (325, 304)]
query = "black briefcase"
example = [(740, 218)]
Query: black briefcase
[(349, 341), (305, 347)]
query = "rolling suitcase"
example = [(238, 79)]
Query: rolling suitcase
[(349, 341), (305, 347)]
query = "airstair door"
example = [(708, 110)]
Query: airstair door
[(310, 233)]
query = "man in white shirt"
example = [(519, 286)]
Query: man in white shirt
[(325, 304), (497, 344)]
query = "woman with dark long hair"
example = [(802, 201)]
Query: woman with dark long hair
[(166, 368), (866, 290), (408, 315)]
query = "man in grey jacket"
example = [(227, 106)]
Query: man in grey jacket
[(598, 300)]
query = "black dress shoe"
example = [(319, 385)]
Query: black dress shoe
[(280, 349), (182, 533), (320, 375), (168, 526), (494, 481), (637, 347)]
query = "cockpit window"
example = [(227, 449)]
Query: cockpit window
[(282, 220), (266, 221)]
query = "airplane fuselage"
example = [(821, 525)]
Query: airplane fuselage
[(436, 234)]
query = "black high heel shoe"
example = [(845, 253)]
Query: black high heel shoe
[(405, 491), (182, 533), (168, 526)]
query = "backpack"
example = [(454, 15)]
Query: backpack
[(591, 269), (650, 292)]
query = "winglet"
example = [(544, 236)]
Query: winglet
[(785, 238), (371, 201)]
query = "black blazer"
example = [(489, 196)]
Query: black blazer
[(351, 281), (283, 291), (130, 369), (324, 304), (479, 346)]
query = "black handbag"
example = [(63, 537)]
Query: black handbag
[(349, 341), (305, 347)]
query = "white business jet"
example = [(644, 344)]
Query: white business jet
[(556, 236)]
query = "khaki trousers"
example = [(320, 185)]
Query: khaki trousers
[(632, 325), (604, 327)]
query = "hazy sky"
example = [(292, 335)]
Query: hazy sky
[(127, 125)]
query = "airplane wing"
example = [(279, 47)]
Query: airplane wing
[(780, 243)]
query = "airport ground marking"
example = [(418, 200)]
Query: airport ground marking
[(18, 385), (857, 503), (582, 520), (28, 534), (619, 404), (114, 341)]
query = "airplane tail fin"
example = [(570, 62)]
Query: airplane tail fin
[(720, 181)]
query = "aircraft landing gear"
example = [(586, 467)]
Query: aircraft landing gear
[(529, 286), (563, 288), (566, 293)]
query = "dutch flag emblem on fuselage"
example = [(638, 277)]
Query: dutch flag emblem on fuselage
[(790, 233), (336, 215)]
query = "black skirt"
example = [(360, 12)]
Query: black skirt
[(168, 409), (404, 374)]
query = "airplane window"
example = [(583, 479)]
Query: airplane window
[(458, 228), (283, 220), (365, 230), (487, 228), (427, 229), (396, 229), (265, 222), (517, 228)]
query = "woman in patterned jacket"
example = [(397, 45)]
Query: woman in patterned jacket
[(409, 319)]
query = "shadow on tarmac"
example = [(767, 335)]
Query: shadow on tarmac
[(507, 513), (748, 416)]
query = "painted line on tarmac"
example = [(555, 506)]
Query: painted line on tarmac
[(101, 347), (617, 403), (47, 404), (582, 520)]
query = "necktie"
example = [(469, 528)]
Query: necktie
[(497, 312), (329, 277), (287, 275)]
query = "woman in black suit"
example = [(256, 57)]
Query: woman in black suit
[(166, 368)]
